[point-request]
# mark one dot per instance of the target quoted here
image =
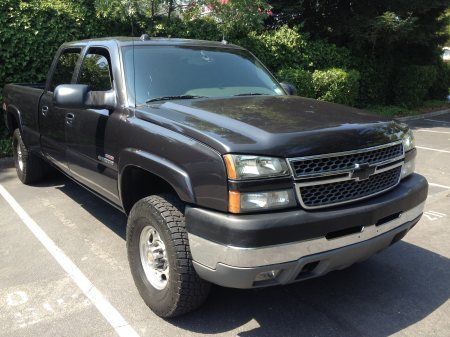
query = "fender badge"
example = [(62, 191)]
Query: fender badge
[(107, 159)]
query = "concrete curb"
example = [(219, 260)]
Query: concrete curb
[(425, 115)]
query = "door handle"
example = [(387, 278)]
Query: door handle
[(44, 110), (69, 118)]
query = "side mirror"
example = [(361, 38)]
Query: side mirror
[(79, 96), (289, 88)]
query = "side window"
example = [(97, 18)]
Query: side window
[(95, 70), (64, 68)]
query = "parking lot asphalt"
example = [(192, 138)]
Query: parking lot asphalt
[(402, 291)]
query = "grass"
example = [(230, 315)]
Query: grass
[(5, 147), (5, 142), (398, 111)]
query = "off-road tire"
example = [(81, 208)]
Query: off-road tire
[(185, 290), (33, 168)]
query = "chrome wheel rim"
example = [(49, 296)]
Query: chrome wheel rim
[(19, 157), (154, 257)]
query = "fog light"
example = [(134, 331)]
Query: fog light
[(408, 168), (267, 275)]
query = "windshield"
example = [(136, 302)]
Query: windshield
[(189, 72)]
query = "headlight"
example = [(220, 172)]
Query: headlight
[(408, 141), (260, 201), (252, 167)]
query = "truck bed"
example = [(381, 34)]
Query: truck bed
[(24, 99)]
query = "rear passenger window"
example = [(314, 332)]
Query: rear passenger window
[(95, 70), (64, 68)]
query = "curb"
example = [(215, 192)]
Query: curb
[(425, 115)]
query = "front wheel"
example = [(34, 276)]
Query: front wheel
[(160, 257)]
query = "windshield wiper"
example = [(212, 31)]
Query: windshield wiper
[(251, 94), (169, 98)]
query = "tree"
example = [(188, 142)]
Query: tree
[(237, 15)]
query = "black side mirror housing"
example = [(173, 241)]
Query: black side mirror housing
[(289, 88), (79, 96)]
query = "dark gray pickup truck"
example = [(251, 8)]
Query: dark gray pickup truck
[(226, 177)]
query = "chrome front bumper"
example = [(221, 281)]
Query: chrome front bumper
[(237, 267)]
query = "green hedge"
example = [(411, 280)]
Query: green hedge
[(413, 84), (440, 88), (302, 79), (288, 48), (336, 85), (31, 31)]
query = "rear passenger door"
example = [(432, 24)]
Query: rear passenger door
[(92, 160), (51, 118)]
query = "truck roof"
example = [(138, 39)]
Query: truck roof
[(137, 41)]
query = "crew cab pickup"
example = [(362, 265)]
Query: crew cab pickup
[(225, 175)]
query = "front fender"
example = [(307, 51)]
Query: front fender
[(163, 168)]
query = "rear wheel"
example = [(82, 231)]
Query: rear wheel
[(30, 168), (160, 257)]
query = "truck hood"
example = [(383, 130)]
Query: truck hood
[(284, 126)]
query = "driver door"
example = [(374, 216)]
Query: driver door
[(91, 160)]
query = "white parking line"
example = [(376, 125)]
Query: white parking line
[(430, 149), (110, 313), (439, 185), (432, 131)]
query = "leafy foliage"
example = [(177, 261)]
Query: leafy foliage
[(302, 79), (287, 47), (336, 85), (5, 142), (237, 16), (31, 32), (383, 37), (394, 45), (413, 84)]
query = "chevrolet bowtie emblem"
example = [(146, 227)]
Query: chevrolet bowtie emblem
[(362, 171)]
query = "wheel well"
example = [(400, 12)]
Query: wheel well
[(12, 122), (137, 183)]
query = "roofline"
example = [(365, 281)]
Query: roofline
[(155, 41)]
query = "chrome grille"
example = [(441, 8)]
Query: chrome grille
[(338, 178), (323, 164), (350, 190)]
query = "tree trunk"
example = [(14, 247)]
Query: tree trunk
[(170, 9)]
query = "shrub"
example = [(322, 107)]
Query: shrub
[(413, 84), (441, 85), (324, 55), (31, 32), (302, 79), (5, 142), (336, 85), (288, 48), (375, 85)]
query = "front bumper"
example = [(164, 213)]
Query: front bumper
[(233, 250)]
